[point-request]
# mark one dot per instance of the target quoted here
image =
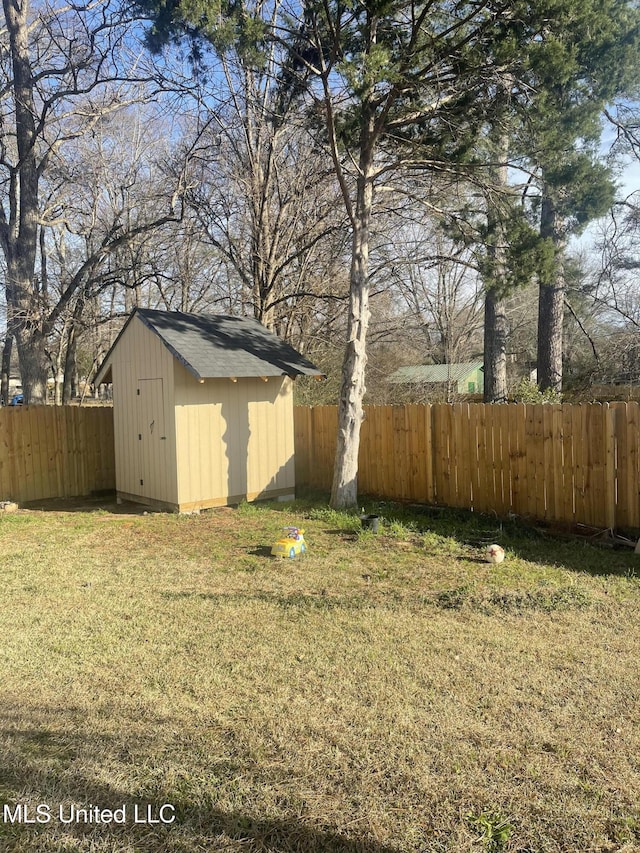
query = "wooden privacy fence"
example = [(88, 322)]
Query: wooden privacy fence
[(55, 451), (564, 463)]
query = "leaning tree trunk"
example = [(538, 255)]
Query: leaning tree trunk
[(551, 306), (344, 492)]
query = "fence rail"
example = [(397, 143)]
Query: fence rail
[(55, 451), (563, 463)]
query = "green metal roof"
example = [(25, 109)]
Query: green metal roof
[(434, 373)]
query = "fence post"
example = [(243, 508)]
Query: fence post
[(610, 465), (609, 429)]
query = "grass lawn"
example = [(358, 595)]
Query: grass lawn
[(382, 693)]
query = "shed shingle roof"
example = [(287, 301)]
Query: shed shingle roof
[(215, 346)]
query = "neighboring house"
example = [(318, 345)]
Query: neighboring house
[(203, 410), (458, 379)]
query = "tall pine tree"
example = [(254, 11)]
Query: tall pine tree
[(586, 59)]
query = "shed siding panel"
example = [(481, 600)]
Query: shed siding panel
[(141, 356), (271, 442), (233, 439), (198, 439)]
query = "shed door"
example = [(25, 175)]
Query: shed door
[(152, 439)]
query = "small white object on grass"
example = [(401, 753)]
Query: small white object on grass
[(494, 554)]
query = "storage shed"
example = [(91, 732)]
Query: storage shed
[(203, 410)]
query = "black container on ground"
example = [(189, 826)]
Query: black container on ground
[(370, 522)]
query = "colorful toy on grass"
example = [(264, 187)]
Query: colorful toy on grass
[(291, 544)]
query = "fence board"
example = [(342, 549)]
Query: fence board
[(440, 440), (521, 507), (513, 449), (464, 489), (40, 456), (485, 457), (633, 465), (388, 475), (549, 474), (415, 452), (569, 464), (628, 493), (502, 461), (493, 461), (580, 432), (329, 422), (556, 461), (609, 471), (592, 463), (21, 453), (400, 452), (446, 425), (495, 446), (368, 475), (472, 450), (301, 417), (543, 485), (485, 496), (428, 423), (106, 440)]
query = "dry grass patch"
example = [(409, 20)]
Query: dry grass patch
[(385, 693)]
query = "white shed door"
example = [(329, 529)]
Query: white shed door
[(152, 439)]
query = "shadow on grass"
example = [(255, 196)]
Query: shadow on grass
[(346, 533), (40, 767), (102, 502), (321, 600), (262, 551)]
